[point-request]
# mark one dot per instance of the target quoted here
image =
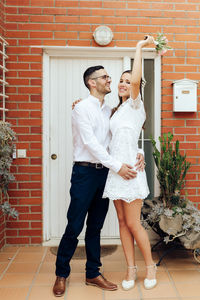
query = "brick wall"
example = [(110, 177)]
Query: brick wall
[(56, 22), (2, 33)]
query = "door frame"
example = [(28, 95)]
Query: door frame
[(93, 52)]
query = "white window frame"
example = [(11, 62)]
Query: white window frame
[(93, 52), (3, 80)]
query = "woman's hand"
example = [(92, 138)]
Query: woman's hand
[(148, 40), (75, 102)]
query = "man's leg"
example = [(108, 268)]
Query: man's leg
[(82, 192), (96, 216)]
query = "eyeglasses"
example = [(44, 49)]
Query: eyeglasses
[(105, 77)]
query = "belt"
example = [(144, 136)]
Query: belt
[(89, 164)]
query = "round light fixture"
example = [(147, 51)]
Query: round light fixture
[(103, 35)]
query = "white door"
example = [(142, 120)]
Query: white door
[(66, 85)]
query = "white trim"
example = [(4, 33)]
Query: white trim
[(107, 52), (157, 114), (46, 208)]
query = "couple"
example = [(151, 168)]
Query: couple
[(92, 184)]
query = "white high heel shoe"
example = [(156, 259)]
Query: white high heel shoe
[(129, 284), (150, 283)]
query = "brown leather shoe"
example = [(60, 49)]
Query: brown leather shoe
[(101, 283), (59, 286)]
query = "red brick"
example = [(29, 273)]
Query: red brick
[(17, 224), (113, 4), (18, 240), (30, 216), (36, 224), (77, 12), (92, 20), (173, 123), (90, 3), (42, 19), (30, 201), (19, 193), (42, 3), (30, 10), (36, 209), (17, 18), (65, 3), (54, 43), (54, 11), (55, 27), (36, 240), (18, 2), (36, 193), (18, 34), (66, 19), (65, 35), (41, 35), (36, 177), (30, 232)]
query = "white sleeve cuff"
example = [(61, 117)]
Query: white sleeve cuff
[(140, 151), (117, 167)]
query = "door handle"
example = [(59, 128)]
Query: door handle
[(53, 156)]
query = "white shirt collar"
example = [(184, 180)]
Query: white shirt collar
[(96, 100)]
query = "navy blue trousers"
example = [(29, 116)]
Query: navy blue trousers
[(87, 185)]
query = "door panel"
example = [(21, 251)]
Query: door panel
[(66, 85)]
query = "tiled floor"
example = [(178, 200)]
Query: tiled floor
[(27, 273)]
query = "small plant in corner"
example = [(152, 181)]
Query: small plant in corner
[(7, 135)]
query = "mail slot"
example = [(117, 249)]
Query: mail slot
[(185, 95)]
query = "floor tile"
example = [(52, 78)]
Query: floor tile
[(115, 277), (45, 279), (42, 293), (14, 279), (77, 278), (189, 276), (6, 257), (12, 249), (114, 266), (3, 266), (28, 257), (121, 294), (26, 267), (32, 249), (16, 293), (84, 292), (161, 289), (183, 264), (47, 267), (188, 289), (49, 257)]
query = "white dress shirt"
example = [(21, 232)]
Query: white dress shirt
[(91, 133)]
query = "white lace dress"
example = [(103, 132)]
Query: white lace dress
[(125, 126)]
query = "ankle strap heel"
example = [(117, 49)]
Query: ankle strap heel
[(150, 283), (132, 267)]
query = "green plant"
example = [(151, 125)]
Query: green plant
[(171, 170), (7, 136)]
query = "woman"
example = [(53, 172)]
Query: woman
[(125, 125)]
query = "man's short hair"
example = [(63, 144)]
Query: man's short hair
[(89, 72)]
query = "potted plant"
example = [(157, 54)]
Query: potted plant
[(171, 215), (7, 136)]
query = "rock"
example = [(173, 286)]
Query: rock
[(172, 226), (191, 240)]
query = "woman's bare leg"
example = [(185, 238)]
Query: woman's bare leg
[(132, 213), (127, 240)]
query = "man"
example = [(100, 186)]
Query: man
[(90, 127)]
